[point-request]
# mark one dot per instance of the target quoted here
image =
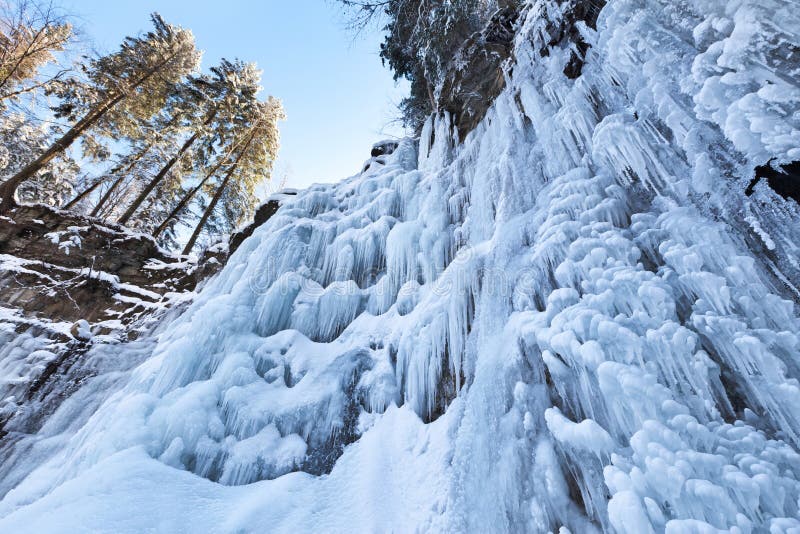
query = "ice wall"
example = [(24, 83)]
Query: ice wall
[(573, 320)]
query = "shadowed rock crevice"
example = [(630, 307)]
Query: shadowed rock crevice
[(783, 179)]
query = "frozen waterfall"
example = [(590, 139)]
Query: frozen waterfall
[(573, 321)]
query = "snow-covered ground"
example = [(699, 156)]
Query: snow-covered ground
[(573, 320)]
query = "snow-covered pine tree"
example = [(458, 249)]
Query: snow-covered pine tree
[(146, 150), (31, 35), (235, 193), (119, 89), (422, 38), (19, 136), (208, 106)]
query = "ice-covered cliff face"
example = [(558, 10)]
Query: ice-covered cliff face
[(573, 319)]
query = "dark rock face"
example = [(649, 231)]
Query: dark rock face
[(383, 148), (587, 13), (567, 33), (478, 78), (60, 266), (469, 90), (380, 151), (262, 215), (783, 179)]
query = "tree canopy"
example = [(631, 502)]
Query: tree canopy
[(172, 139)]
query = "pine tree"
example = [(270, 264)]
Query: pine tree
[(20, 136), (187, 197), (31, 35), (114, 178), (240, 199), (143, 161), (251, 165), (212, 106), (121, 88), (422, 40)]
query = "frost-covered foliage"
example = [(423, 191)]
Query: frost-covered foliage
[(117, 92), (32, 34), (422, 41), (19, 140), (573, 319)]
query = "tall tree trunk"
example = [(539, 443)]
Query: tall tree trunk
[(89, 190), (185, 200), (157, 179), (121, 176), (188, 196), (9, 187), (163, 172), (209, 210), (107, 195), (86, 192), (213, 204)]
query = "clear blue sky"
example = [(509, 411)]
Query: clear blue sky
[(339, 99)]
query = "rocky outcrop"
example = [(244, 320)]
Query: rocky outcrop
[(380, 151), (783, 179), (477, 76), (565, 32), (383, 148), (63, 267), (262, 215)]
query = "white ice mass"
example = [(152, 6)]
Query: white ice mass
[(572, 321)]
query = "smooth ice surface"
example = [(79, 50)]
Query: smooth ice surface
[(575, 319)]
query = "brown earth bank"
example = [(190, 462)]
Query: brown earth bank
[(64, 267)]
